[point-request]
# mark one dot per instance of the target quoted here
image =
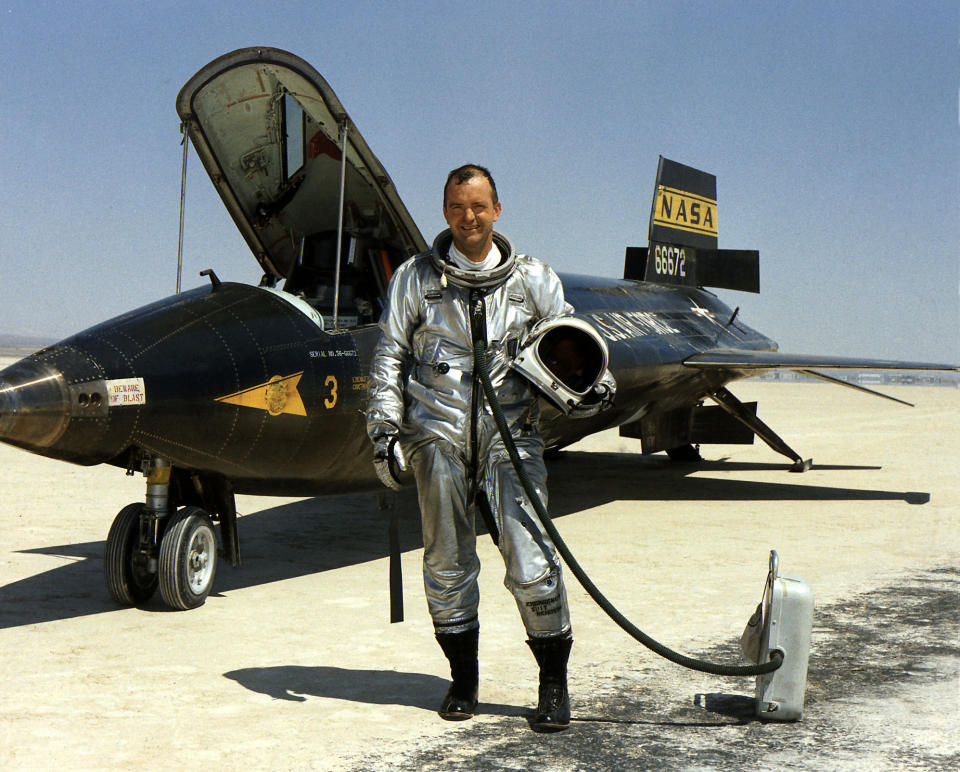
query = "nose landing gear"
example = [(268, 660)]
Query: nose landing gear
[(151, 546)]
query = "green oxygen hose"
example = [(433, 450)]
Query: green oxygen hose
[(776, 657)]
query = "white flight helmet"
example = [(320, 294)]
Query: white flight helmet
[(564, 357)]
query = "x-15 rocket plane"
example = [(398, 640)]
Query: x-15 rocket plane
[(230, 388)]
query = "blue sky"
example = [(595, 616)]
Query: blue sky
[(832, 129)]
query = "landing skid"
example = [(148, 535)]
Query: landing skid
[(685, 454), (736, 408)]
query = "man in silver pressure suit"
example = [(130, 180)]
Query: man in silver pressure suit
[(427, 405)]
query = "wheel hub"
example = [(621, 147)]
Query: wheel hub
[(199, 564)]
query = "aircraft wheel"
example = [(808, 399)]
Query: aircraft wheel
[(129, 580), (188, 559)]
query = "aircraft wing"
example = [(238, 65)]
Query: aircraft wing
[(745, 360), (748, 362)]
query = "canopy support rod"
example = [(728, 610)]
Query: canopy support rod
[(343, 179), (183, 198)]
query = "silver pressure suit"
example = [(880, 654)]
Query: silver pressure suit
[(423, 390)]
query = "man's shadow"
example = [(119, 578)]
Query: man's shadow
[(375, 687)]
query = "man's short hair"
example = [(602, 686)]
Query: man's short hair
[(467, 172)]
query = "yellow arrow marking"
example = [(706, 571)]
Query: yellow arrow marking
[(276, 396)]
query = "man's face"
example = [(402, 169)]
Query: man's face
[(470, 212)]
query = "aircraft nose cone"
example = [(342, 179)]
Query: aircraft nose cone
[(34, 404)]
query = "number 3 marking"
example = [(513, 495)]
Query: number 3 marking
[(331, 383)]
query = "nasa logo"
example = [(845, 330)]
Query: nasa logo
[(685, 211)]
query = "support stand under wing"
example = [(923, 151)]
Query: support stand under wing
[(738, 410)]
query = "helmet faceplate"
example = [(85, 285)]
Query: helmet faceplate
[(564, 357)]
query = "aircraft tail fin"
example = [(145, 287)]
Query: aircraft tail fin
[(683, 237)]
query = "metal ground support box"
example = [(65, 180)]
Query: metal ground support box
[(782, 623)]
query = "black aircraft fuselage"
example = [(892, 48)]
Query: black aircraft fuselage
[(240, 381), (232, 388)]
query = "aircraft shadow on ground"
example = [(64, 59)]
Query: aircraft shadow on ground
[(375, 687), (330, 532)]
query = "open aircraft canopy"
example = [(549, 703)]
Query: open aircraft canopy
[(268, 130)]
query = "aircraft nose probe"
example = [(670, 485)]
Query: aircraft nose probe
[(34, 404)]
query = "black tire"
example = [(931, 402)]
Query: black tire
[(128, 581), (188, 559)]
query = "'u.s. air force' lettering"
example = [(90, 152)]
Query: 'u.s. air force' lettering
[(685, 211), (624, 325)]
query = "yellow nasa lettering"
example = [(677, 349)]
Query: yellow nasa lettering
[(685, 211)]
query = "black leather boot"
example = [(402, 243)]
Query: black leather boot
[(461, 649), (553, 707)]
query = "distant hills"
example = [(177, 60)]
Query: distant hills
[(25, 341), (870, 377)]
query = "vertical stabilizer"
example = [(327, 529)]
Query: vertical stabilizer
[(683, 236)]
